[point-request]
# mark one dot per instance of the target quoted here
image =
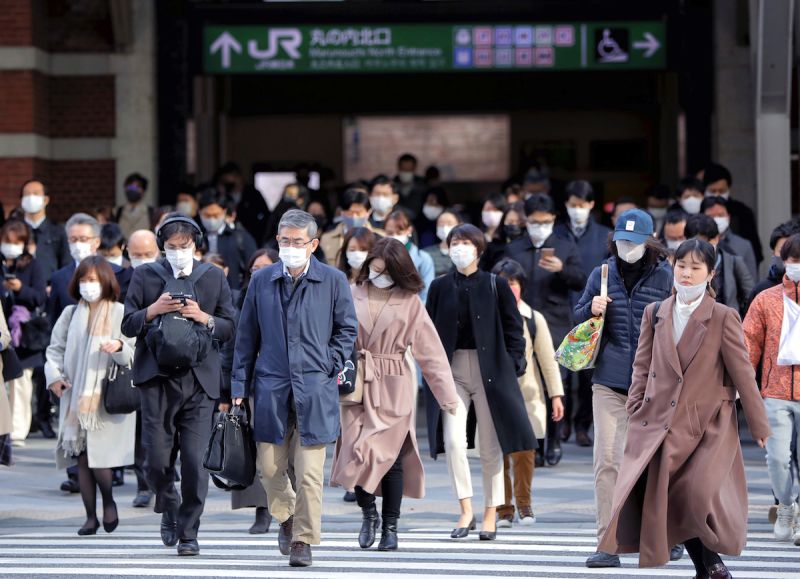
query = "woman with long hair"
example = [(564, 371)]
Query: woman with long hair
[(357, 244)]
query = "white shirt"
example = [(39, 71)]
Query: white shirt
[(289, 275), (681, 314)]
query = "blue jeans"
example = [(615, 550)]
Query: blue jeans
[(784, 421)]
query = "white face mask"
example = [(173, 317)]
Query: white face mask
[(12, 250), (185, 208), (213, 225), (90, 290), (673, 244), (629, 251), (579, 215), (32, 203), (116, 260), (687, 294), (356, 259), (405, 177), (180, 259), (401, 238), (491, 219), (381, 204), (137, 262), (463, 255), (432, 212), (380, 280), (723, 223), (793, 271), (443, 231), (691, 205), (293, 257), (539, 232), (657, 212), (80, 251)]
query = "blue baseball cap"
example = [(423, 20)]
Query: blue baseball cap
[(634, 225)]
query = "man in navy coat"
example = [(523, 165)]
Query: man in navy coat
[(297, 329)]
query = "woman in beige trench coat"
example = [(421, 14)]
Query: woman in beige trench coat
[(377, 450), (682, 477)]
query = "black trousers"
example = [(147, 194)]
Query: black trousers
[(138, 456), (176, 416), (391, 491), (579, 404), (43, 403)]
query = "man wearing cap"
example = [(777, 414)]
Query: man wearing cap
[(638, 274)]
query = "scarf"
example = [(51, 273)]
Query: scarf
[(85, 367)]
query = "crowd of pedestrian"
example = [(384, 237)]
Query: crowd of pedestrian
[(220, 301)]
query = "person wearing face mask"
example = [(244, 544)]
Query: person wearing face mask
[(177, 404), (776, 271), (142, 248), (135, 213), (186, 202), (480, 327), (297, 330), (248, 203), (592, 240), (24, 295), (638, 274), (673, 232), (492, 211), (732, 280), (511, 228), (377, 447), (398, 226), (383, 198), (689, 196), (717, 209), (357, 245), (112, 245), (682, 473), (440, 253), (553, 265), (770, 330), (52, 248), (233, 243), (355, 212), (425, 224), (658, 198), (409, 186), (717, 182), (86, 338)]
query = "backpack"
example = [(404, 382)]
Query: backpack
[(179, 343)]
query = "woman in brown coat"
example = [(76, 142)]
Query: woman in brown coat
[(682, 477), (377, 450)]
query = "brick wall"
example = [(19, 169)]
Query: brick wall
[(16, 23), (82, 106), (17, 101)]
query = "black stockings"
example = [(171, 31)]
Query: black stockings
[(702, 557), (391, 492), (89, 480)]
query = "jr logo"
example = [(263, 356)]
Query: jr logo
[(289, 39)]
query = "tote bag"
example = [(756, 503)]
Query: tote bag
[(579, 349)]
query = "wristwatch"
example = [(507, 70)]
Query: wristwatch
[(210, 324)]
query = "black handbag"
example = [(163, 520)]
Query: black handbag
[(12, 367), (36, 332), (120, 396), (346, 378), (231, 453)]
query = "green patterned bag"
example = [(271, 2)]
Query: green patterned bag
[(579, 349)]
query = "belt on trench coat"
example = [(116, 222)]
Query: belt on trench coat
[(371, 374)]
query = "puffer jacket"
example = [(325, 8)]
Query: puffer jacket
[(623, 318), (762, 334)]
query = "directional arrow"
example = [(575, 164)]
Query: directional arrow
[(226, 43), (650, 45)]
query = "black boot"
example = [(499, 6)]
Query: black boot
[(553, 455), (539, 459), (369, 526), (388, 536)]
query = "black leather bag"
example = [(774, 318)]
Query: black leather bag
[(12, 367), (120, 396), (36, 332), (231, 453)]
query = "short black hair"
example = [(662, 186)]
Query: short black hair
[(211, 196), (580, 189), (407, 157), (229, 168), (540, 202), (512, 271), (498, 200), (660, 192), (180, 228), (675, 216), (782, 231), (625, 199), (137, 178), (111, 236), (716, 172), (712, 201), (468, 232), (703, 250), (382, 180), (701, 224), (689, 183), (354, 196), (791, 248)]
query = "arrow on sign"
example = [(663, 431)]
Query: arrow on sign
[(226, 43), (650, 45)]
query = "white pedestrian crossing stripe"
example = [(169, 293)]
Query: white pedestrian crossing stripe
[(545, 551)]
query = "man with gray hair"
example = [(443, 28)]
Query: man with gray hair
[(297, 329)]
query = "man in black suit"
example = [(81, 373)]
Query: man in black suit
[(52, 249), (177, 405)]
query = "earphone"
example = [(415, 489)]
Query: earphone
[(198, 236)]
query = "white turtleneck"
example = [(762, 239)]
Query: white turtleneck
[(681, 314)]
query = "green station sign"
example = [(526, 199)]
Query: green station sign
[(382, 48)]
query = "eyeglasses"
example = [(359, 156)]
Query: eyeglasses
[(80, 239), (296, 243)]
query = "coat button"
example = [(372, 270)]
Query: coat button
[(653, 375), (477, 317), (680, 380), (666, 427), (672, 403), (483, 348), (644, 422), (647, 399), (490, 380)]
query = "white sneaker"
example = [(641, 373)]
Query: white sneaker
[(526, 517), (784, 524), (504, 523)]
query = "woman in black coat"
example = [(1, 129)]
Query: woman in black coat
[(480, 327)]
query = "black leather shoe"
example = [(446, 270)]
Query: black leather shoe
[(600, 559), (388, 536), (300, 555), (719, 571), (369, 526), (461, 532), (47, 430), (285, 536), (349, 497), (188, 547), (118, 477), (142, 499), (582, 438), (487, 535), (89, 528), (111, 525), (538, 459), (70, 485), (553, 454), (169, 527), (676, 553), (262, 522), (566, 431)]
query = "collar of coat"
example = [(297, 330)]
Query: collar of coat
[(314, 270), (682, 354), (361, 299)]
